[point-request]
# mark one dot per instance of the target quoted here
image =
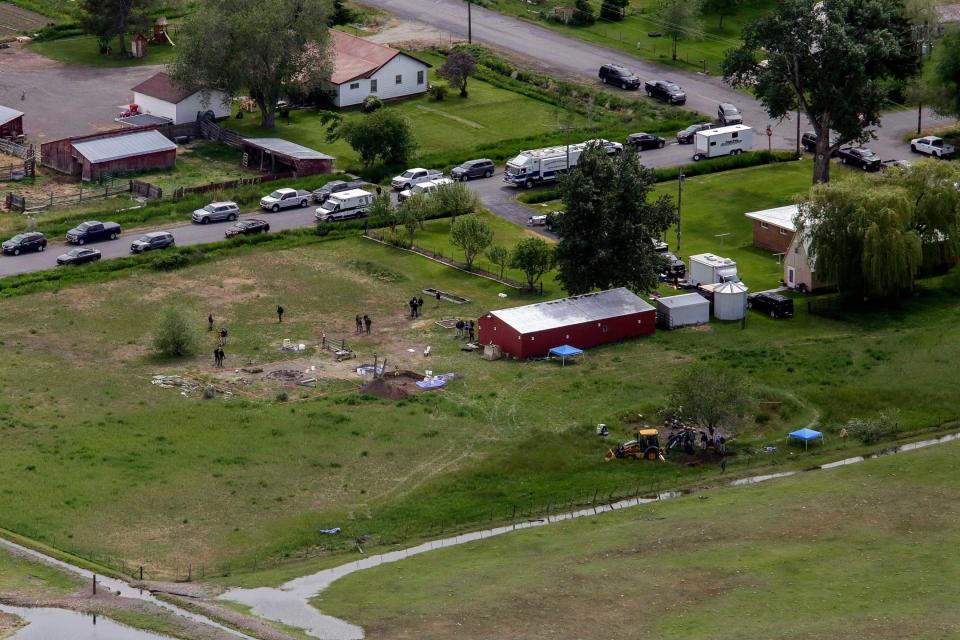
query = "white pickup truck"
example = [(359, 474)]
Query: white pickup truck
[(932, 146), (410, 177), (284, 199)]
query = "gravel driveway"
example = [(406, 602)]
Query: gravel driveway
[(61, 100)]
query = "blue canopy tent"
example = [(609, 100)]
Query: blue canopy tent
[(565, 351), (807, 435)]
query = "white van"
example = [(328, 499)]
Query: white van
[(344, 205), (424, 187), (723, 141)]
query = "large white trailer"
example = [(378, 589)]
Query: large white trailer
[(723, 141), (536, 166), (706, 268)]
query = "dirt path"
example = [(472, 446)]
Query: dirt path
[(9, 624)]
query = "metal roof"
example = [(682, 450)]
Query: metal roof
[(142, 120), (123, 146), (684, 300), (8, 115), (590, 307), (281, 147), (779, 217)]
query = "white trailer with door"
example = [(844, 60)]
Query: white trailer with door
[(536, 166), (684, 310), (706, 268), (723, 141)]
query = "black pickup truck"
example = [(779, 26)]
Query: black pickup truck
[(92, 231), (665, 90)]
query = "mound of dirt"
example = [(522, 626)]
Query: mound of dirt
[(381, 388)]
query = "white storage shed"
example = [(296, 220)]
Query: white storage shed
[(157, 96), (730, 301), (684, 310)]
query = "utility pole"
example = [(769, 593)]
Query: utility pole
[(469, 22), (798, 128), (680, 180)]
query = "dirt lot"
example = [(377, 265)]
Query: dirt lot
[(15, 19), (8, 625)]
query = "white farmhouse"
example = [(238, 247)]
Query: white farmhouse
[(157, 96), (362, 68)]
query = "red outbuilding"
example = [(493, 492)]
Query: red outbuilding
[(100, 155), (11, 123), (580, 321)]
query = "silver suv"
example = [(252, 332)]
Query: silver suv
[(217, 212)]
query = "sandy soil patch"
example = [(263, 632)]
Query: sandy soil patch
[(411, 35), (9, 624)]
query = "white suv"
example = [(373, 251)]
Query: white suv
[(216, 212)]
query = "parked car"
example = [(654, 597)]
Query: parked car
[(612, 148), (619, 75), (78, 256), (426, 188), (91, 231), (336, 186), (675, 267), (153, 240), (809, 142), (932, 146), (23, 242), (728, 114), (773, 304), (644, 141), (859, 157), (411, 177), (688, 135), (481, 168), (216, 212), (285, 199), (248, 226), (665, 90)]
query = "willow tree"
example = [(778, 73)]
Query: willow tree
[(862, 237), (268, 48)]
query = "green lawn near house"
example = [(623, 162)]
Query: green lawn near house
[(707, 45), (862, 551), (83, 50)]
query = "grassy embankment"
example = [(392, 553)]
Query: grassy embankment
[(861, 551), (90, 441)]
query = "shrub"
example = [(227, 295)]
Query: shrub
[(371, 104), (438, 91), (873, 430), (169, 262), (951, 282), (173, 337), (282, 396), (208, 393)]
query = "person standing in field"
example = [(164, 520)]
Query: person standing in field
[(210, 322), (279, 313), (359, 324), (367, 321)]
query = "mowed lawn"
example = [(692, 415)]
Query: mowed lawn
[(861, 552), (489, 115), (707, 43), (83, 50), (98, 460)]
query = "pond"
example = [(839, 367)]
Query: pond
[(56, 624)]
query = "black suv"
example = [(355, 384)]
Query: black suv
[(30, 241), (246, 227), (336, 186), (809, 142), (687, 135), (619, 75), (860, 157), (482, 168), (675, 267), (644, 141), (665, 90), (773, 304)]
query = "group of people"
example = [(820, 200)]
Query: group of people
[(416, 306), (222, 333), (466, 329), (218, 356), (688, 438), (363, 324)]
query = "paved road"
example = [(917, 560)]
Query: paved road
[(546, 48), (185, 234)]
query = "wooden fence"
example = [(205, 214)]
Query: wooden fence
[(19, 150), (213, 131), (18, 171), (109, 188)]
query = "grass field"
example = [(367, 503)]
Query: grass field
[(82, 50), (483, 124), (862, 551), (631, 34), (89, 441), (25, 577)]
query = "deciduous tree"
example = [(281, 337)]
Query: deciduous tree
[(608, 223), (456, 199), (473, 235), (614, 10), (710, 396), (583, 15), (109, 19), (412, 212), (832, 58), (944, 81), (498, 256), (722, 8), (457, 69), (534, 257), (173, 336), (266, 48), (383, 134), (679, 19)]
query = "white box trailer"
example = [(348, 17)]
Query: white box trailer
[(723, 141), (353, 203), (536, 166), (706, 268)]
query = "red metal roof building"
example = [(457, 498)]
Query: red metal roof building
[(11, 122), (583, 321)]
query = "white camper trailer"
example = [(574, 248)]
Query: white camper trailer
[(723, 141), (542, 165), (706, 268)]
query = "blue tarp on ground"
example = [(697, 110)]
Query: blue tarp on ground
[(565, 351), (807, 434)]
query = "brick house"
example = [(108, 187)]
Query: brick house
[(773, 229)]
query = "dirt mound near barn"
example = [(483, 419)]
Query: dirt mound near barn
[(381, 388)]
